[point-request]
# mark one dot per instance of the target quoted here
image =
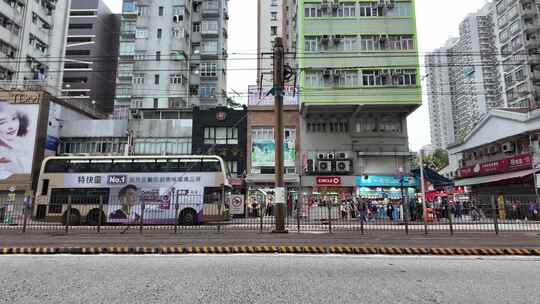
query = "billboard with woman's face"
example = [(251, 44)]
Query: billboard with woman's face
[(18, 124)]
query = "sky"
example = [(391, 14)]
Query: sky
[(437, 20)]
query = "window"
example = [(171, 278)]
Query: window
[(175, 79), (368, 10), (210, 46), (80, 26), (273, 30), (348, 79), (156, 103), (77, 52), (208, 92), (137, 103), (196, 27), (158, 56), (313, 79), (311, 44), (404, 77), (347, 9), (372, 78), (76, 39), (232, 166), (400, 43), (520, 74), (210, 26), (159, 33), (401, 9), (141, 33), (142, 11), (156, 79), (138, 78), (160, 11), (140, 55), (312, 10), (175, 103), (508, 79), (178, 32), (273, 16), (220, 136), (348, 43), (127, 49), (369, 43), (208, 69)]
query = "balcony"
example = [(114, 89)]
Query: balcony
[(535, 76), (210, 9), (127, 35), (528, 9), (129, 10), (530, 26), (532, 43), (209, 32)]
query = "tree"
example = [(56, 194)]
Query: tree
[(436, 161), (233, 104)]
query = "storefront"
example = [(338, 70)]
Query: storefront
[(380, 188), (329, 187), (511, 175)]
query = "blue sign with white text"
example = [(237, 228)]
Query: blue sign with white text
[(385, 181)]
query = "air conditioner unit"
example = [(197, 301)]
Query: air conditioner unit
[(324, 166), (325, 4), (321, 156), (327, 73), (324, 39), (331, 156), (343, 166), (343, 155), (508, 147)]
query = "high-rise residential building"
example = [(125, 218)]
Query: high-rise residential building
[(358, 82), (464, 74), (91, 56), (474, 73), (275, 18), (172, 56), (440, 98), (518, 32), (32, 43)]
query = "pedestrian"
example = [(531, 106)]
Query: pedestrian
[(352, 207), (389, 210), (459, 210), (533, 211), (343, 210)]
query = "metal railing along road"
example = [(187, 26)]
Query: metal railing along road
[(485, 214)]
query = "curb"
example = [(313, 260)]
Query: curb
[(346, 250)]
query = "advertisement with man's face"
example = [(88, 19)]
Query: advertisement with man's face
[(18, 124), (160, 193)]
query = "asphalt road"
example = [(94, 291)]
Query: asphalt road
[(267, 279)]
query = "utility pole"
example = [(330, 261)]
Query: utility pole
[(424, 205), (278, 78)]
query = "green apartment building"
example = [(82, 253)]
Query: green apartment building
[(358, 81)]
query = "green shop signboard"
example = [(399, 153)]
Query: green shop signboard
[(263, 152)]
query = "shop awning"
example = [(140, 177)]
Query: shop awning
[(494, 178)]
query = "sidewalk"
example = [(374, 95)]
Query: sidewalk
[(387, 239)]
